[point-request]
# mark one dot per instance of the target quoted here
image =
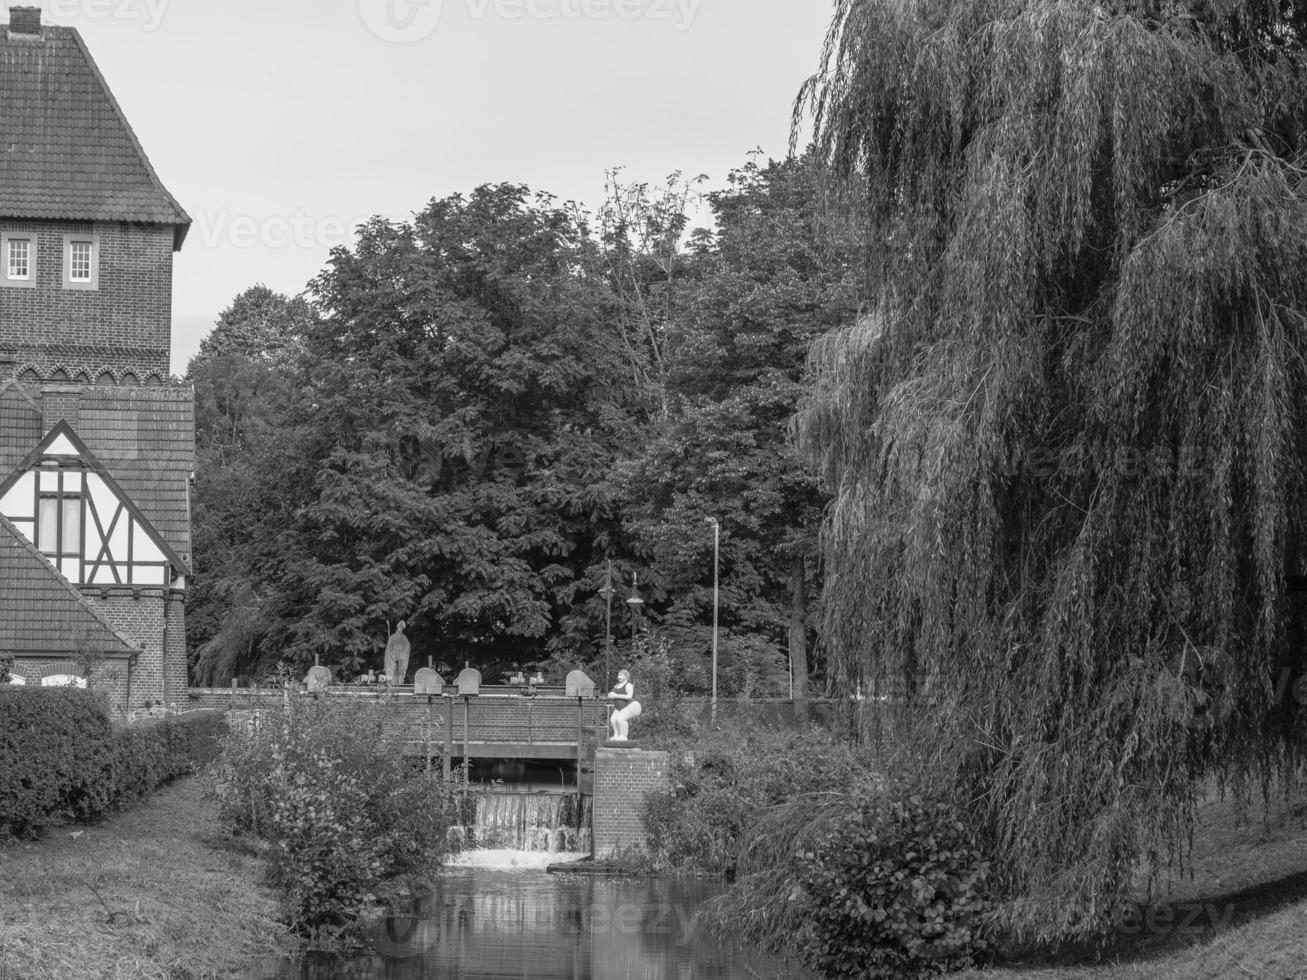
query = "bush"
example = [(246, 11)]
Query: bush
[(341, 807), (61, 758), (722, 787), (56, 757), (894, 890), (150, 752)]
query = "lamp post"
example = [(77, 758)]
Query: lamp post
[(716, 540), (607, 592), (635, 602)]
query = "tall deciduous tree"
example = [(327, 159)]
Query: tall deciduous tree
[(774, 276), (243, 381), (461, 402), (1067, 448)]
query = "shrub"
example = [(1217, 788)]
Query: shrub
[(722, 787), (62, 759), (893, 890), (56, 757), (150, 752), (341, 807)]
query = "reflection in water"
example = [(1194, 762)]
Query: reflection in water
[(479, 923)]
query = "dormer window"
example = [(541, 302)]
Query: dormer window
[(81, 261), (17, 260)]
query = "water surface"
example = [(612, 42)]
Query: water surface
[(482, 923)]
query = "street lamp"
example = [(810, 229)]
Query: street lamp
[(607, 592), (635, 602), (716, 540)]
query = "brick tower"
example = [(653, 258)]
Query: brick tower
[(97, 443)]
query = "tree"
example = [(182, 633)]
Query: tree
[(1067, 446), (242, 376), (461, 405), (774, 276)]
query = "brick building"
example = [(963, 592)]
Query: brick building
[(97, 443)]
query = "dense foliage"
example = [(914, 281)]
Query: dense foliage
[(62, 759), (895, 889), (342, 809), (724, 784), (477, 410), (1067, 444), (773, 276)]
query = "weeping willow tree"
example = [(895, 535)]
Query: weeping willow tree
[(1067, 446)]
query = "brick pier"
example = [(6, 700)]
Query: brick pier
[(623, 779)]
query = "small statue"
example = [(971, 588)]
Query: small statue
[(397, 655), (625, 706)]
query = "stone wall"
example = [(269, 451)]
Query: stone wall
[(623, 779)]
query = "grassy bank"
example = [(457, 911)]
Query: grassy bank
[(1240, 913), (151, 894)]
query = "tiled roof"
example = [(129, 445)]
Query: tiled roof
[(144, 437), (66, 149), (41, 612)]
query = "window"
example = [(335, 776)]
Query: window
[(17, 259), (20, 258), (81, 262), (59, 520)]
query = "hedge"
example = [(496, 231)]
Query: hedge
[(62, 759)]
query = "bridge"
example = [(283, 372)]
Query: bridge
[(495, 723)]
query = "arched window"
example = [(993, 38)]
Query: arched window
[(104, 377), (129, 378)]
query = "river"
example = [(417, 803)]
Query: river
[(479, 923)]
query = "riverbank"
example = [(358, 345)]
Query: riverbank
[(1238, 913), (154, 893)]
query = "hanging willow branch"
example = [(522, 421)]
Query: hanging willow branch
[(1067, 450)]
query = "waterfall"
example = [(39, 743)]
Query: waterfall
[(525, 830)]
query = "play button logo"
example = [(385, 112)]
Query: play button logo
[(400, 21)]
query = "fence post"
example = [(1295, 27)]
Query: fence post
[(449, 734)]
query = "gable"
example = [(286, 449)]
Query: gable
[(144, 437), (64, 501)]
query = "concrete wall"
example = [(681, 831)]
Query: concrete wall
[(623, 779)]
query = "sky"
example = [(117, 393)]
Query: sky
[(282, 124)]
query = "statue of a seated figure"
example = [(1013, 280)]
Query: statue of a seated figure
[(625, 706)]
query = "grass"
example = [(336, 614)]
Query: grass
[(154, 893), (1240, 913)]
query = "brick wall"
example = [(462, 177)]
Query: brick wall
[(122, 325), (176, 664), (141, 618), (623, 778)]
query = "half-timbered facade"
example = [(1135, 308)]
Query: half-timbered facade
[(97, 443)]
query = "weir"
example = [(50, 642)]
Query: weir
[(522, 829)]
